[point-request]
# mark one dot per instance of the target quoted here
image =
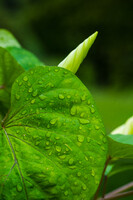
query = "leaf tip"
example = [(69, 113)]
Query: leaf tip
[(75, 58)]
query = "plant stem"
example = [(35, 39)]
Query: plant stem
[(116, 196), (104, 186), (2, 86), (106, 164), (116, 193)]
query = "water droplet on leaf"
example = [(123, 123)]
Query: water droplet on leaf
[(80, 138), (70, 161), (84, 121), (19, 188), (25, 78), (79, 174), (61, 96), (42, 97), (58, 148), (17, 96), (73, 110), (30, 90), (33, 101), (53, 121), (34, 94)]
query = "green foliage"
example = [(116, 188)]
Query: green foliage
[(121, 153), (52, 140), (56, 128), (13, 61), (120, 146)]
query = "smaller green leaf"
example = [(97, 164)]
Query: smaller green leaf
[(120, 146), (7, 39), (25, 58), (75, 58), (14, 60)]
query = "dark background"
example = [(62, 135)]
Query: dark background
[(53, 28)]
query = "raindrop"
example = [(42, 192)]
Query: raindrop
[(86, 158), (25, 78), (68, 96), (92, 172), (89, 102), (33, 101), (84, 187), (73, 111), (47, 143), (24, 112), (48, 134), (84, 121), (79, 174), (70, 161), (104, 140), (34, 94), (30, 90), (53, 121), (40, 82), (83, 98), (82, 114), (88, 139), (50, 153), (92, 110), (58, 148), (20, 83), (56, 70), (37, 143), (75, 183), (61, 96), (42, 97), (66, 193), (29, 84), (97, 127), (57, 137), (19, 188), (80, 138), (102, 148), (62, 157), (17, 96)]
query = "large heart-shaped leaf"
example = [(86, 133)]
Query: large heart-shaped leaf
[(13, 61), (52, 142)]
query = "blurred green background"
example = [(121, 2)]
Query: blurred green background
[(52, 28)]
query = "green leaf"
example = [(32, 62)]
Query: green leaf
[(7, 39), (52, 142), (76, 57), (9, 71), (121, 153), (120, 146), (13, 61), (25, 58)]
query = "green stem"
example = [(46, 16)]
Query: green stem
[(119, 192), (106, 164)]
